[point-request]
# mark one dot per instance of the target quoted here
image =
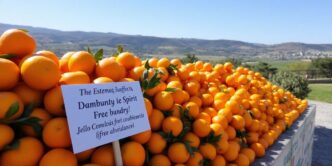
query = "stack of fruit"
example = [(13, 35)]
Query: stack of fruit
[(199, 114)]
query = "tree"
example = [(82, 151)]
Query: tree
[(265, 69), (324, 65), (190, 58), (292, 82)]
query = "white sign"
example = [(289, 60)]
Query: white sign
[(101, 113)]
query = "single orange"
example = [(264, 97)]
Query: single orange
[(9, 74), (58, 155), (156, 143), (7, 99), (49, 54), (7, 135), (133, 154), (56, 133), (127, 59), (53, 101), (17, 42), (104, 155), (82, 61), (160, 160), (178, 153), (28, 152), (40, 73), (111, 69), (76, 77)]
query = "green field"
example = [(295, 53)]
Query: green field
[(321, 92)]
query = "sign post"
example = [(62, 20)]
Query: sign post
[(98, 114)]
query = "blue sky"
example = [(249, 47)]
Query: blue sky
[(259, 21)]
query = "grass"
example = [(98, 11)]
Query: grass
[(321, 92)]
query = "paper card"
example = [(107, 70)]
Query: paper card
[(101, 113)]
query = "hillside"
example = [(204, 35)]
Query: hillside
[(63, 41)]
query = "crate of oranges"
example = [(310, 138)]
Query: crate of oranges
[(199, 113)]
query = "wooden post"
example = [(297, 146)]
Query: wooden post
[(117, 153)]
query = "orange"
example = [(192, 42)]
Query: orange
[(110, 68), (172, 124), (263, 142), (7, 135), (218, 161), (208, 151), (228, 66), (17, 42), (127, 59), (104, 155), (207, 67), (194, 75), (199, 65), (142, 137), (53, 101), (180, 96), (63, 62), (174, 84), (252, 137), (183, 73), (28, 152), (242, 160), (76, 77), (230, 132), (192, 108), (89, 164), (249, 153), (41, 114), (196, 100), (56, 133), (7, 99), (238, 122), (163, 100), (178, 153), (207, 99), (40, 73), (201, 127), (9, 74), (193, 139), (192, 87), (216, 128), (148, 106), (56, 156), (220, 119), (82, 61), (49, 54), (137, 72), (195, 160), (163, 62), (102, 80), (156, 119), (255, 126), (222, 145), (247, 119), (177, 62), (156, 143), (29, 95), (233, 151), (258, 148), (226, 113), (133, 154), (160, 160), (205, 116), (85, 155), (153, 62)]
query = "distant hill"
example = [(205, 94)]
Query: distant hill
[(63, 41)]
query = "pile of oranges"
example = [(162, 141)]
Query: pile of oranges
[(199, 113)]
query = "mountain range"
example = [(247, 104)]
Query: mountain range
[(64, 41)]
